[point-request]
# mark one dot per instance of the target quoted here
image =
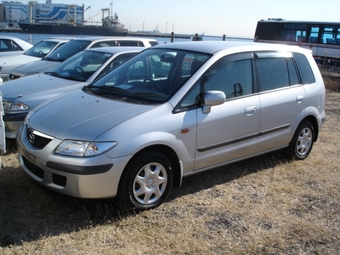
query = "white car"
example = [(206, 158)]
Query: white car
[(22, 95), (74, 46), (37, 52), (10, 45)]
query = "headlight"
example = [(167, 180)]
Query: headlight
[(14, 106), (83, 149)]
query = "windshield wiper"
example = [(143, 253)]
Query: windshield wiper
[(105, 89), (54, 74), (148, 94)]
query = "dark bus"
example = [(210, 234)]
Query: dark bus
[(323, 38)]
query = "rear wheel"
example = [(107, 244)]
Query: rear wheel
[(146, 181), (302, 143)]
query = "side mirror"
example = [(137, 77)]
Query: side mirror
[(212, 98)]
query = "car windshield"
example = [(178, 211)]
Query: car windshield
[(41, 49), (152, 76), (67, 50), (81, 66)]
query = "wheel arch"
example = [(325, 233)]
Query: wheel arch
[(312, 119), (170, 154)]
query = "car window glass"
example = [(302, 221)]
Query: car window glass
[(306, 73), (104, 44), (116, 62), (233, 78), (9, 45), (129, 43), (153, 75), (272, 73), (67, 50), (16, 46), (191, 99), (41, 49), (4, 46), (81, 66)]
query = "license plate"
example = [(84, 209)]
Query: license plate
[(29, 156)]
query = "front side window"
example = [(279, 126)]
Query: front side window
[(152, 76), (234, 78)]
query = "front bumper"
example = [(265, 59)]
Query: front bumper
[(86, 177)]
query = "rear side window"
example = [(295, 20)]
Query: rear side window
[(272, 73), (306, 73), (275, 70), (129, 43)]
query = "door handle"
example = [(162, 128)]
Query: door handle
[(299, 99), (250, 110)]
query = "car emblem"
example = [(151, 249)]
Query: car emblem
[(31, 138)]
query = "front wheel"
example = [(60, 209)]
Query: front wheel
[(146, 181), (302, 142)]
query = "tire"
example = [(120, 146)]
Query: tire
[(302, 143), (146, 181)]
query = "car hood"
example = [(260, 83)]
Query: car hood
[(4, 61), (39, 66), (20, 89), (81, 116)]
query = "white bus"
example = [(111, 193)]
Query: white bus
[(323, 38)]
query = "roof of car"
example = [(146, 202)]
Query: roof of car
[(116, 49), (93, 38), (211, 47), (58, 39), (9, 37)]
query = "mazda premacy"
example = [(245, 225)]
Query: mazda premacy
[(172, 111)]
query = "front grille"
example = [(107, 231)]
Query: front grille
[(36, 140), (33, 168)]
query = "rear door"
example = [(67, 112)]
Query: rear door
[(282, 98)]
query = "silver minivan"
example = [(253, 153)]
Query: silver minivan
[(172, 111)]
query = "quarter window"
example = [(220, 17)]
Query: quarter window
[(306, 73)]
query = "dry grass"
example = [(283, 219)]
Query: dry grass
[(265, 205)]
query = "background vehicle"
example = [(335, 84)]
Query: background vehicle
[(10, 45), (37, 52), (22, 95), (323, 38), (74, 46), (171, 111)]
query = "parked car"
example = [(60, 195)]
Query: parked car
[(37, 52), (22, 95), (10, 45), (73, 47), (172, 111)]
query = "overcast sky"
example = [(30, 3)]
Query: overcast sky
[(212, 17)]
